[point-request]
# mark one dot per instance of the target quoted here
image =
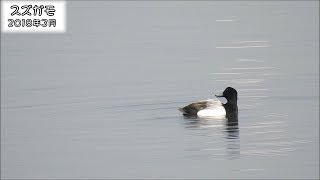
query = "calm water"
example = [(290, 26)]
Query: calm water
[(100, 101)]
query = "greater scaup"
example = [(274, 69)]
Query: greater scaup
[(214, 108)]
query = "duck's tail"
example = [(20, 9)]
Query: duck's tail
[(182, 110)]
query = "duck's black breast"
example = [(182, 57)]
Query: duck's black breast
[(193, 108), (231, 112)]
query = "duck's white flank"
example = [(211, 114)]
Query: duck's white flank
[(214, 109)]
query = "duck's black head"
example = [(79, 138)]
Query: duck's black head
[(230, 94)]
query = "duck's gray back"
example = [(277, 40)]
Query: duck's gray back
[(193, 108)]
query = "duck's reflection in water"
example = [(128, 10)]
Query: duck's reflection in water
[(226, 128), (232, 139)]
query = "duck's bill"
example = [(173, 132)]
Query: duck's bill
[(219, 95)]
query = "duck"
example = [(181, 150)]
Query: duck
[(215, 108)]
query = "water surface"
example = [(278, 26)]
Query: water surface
[(100, 101)]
